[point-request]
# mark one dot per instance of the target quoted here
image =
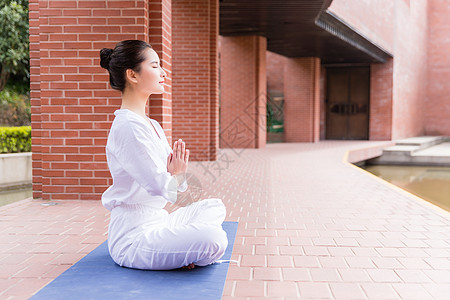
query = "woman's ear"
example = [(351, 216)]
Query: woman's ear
[(131, 75)]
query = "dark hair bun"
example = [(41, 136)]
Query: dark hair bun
[(128, 54), (105, 57)]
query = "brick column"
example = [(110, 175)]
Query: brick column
[(302, 99), (195, 29), (381, 105), (35, 99), (72, 101), (243, 89), (160, 35)]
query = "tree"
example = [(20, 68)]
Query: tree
[(14, 45)]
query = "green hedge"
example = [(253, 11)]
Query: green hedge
[(15, 139)]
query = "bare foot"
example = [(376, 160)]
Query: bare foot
[(188, 267)]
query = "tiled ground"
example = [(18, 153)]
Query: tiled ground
[(310, 226)]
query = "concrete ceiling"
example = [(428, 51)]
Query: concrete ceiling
[(298, 28)]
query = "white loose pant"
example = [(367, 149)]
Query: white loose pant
[(142, 237)]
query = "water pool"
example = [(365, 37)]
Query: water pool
[(429, 183), (10, 196)]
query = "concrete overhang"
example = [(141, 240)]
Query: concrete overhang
[(299, 28)]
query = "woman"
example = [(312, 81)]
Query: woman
[(147, 173)]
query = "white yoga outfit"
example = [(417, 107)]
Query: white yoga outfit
[(142, 234)]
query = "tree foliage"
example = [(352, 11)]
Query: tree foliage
[(14, 45)]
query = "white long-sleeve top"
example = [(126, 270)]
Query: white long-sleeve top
[(137, 160)]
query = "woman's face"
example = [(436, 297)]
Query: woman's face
[(151, 76)]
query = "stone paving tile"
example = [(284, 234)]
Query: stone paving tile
[(344, 290), (379, 291), (282, 289), (387, 263), (269, 274), (296, 274), (249, 289), (46, 243), (411, 291), (314, 290), (354, 275), (311, 226), (324, 275), (438, 291)]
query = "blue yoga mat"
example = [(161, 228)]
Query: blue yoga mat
[(96, 276)]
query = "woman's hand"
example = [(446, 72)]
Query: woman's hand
[(177, 162)]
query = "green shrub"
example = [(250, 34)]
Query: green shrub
[(15, 139), (15, 106)]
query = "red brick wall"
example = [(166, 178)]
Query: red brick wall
[(437, 105), (214, 124), (302, 99), (160, 37), (381, 89), (275, 71), (399, 27), (323, 106), (35, 98), (74, 102), (243, 92), (275, 64), (195, 76), (260, 115), (410, 69)]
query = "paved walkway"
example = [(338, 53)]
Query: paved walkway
[(310, 226)]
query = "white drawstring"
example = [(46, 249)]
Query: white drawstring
[(220, 261)]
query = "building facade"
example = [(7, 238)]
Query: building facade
[(342, 69)]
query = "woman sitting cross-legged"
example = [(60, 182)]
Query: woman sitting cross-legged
[(148, 173)]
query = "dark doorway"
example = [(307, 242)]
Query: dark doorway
[(275, 117), (347, 103)]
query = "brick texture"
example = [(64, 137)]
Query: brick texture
[(195, 76), (35, 99), (323, 105), (437, 108), (400, 27), (72, 101), (275, 68), (302, 100), (302, 232), (160, 27), (243, 92), (275, 82), (410, 69), (381, 86)]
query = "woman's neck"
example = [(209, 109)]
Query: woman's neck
[(134, 102)]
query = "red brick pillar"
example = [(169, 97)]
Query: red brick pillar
[(302, 99), (195, 29), (160, 29), (72, 101), (381, 105), (243, 89), (35, 99)]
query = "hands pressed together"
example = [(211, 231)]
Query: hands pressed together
[(177, 162)]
